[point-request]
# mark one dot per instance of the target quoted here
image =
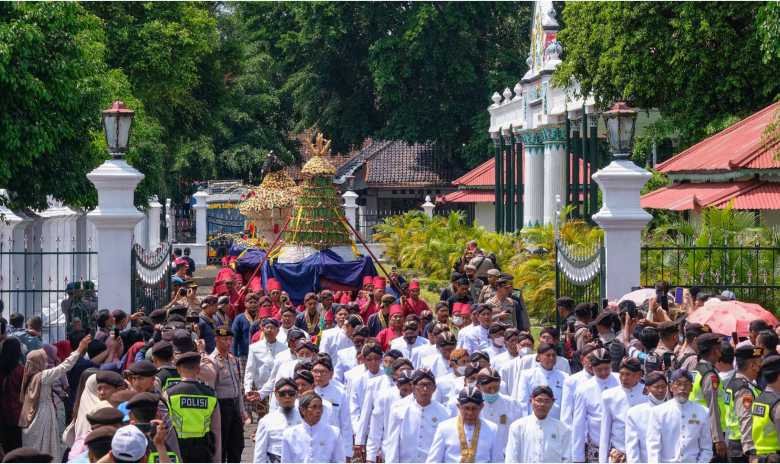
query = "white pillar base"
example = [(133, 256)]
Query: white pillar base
[(200, 248), (533, 180)]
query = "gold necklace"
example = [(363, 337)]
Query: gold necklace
[(468, 451)]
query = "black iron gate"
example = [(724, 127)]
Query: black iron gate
[(223, 225), (151, 277), (580, 273)]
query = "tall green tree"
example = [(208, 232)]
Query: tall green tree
[(699, 63)]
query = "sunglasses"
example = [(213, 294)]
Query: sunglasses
[(286, 393)]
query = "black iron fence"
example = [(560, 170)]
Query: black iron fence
[(150, 277), (33, 282), (367, 220), (223, 225), (751, 272)]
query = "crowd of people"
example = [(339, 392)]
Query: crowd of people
[(378, 375)]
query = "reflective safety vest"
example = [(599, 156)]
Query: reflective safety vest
[(702, 370), (154, 456), (191, 405), (764, 430), (735, 385), (168, 377)]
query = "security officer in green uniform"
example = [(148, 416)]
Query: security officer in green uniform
[(162, 357), (708, 391), (741, 392), (142, 409), (766, 414), (194, 413)]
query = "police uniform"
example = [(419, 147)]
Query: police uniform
[(195, 416), (150, 400), (766, 416), (707, 389), (231, 401), (167, 375), (741, 392)]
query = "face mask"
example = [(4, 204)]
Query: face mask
[(461, 370), (457, 320), (524, 351), (498, 341), (490, 397), (655, 401), (471, 384), (388, 370), (410, 340), (607, 337)]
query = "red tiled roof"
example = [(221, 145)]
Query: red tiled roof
[(739, 146), (485, 175), (468, 196), (691, 196)]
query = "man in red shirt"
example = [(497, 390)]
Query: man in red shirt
[(412, 303), (373, 305), (394, 329), (274, 291)]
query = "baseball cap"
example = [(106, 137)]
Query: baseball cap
[(129, 444)]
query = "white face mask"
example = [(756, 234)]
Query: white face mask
[(461, 370), (655, 401), (524, 351), (498, 341), (457, 320)]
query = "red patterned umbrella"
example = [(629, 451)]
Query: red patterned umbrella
[(726, 317)]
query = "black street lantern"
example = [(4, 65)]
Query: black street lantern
[(620, 121), (116, 125)]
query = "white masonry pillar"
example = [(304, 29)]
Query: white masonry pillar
[(153, 222), (622, 219), (199, 251), (115, 218), (533, 179), (350, 207), (554, 170), (428, 206)]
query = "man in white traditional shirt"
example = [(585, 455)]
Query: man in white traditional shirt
[(331, 390), (412, 423), (466, 437), (267, 388), (511, 340), (574, 380), (474, 338), (637, 417), (511, 370), (678, 430), (268, 438), (261, 358), (615, 403), (544, 373), (372, 390), (420, 353), (339, 337), (539, 437), (410, 341), (347, 358), (449, 384), (313, 439), (499, 408), (380, 414), (547, 335), (496, 341), (372, 360), (439, 361), (588, 408)]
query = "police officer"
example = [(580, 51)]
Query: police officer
[(741, 391), (194, 413), (231, 400), (708, 391), (766, 414), (162, 357), (142, 409)]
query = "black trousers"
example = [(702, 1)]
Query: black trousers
[(232, 430), (197, 449), (10, 438)]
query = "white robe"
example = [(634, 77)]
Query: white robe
[(333, 340), (422, 352), (260, 363), (637, 418), (335, 393), (567, 399), (437, 364), (374, 387), (534, 440), (270, 431), (615, 403), (304, 443), (345, 360), (446, 442), (406, 349), (503, 412), (588, 413), (410, 430), (679, 433), (380, 416), (473, 338), (357, 395), (536, 377)]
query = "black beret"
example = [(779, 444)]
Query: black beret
[(470, 395), (599, 356), (361, 331), (181, 310), (271, 321), (748, 351), (143, 400), (27, 455), (182, 341), (143, 368), (395, 354), (544, 348), (305, 375), (542, 390), (421, 374), (105, 416), (477, 355), (706, 341), (496, 327), (224, 332), (488, 375), (110, 378), (632, 364), (162, 349), (103, 433), (157, 316), (188, 359), (654, 377), (285, 381), (681, 374), (770, 364)]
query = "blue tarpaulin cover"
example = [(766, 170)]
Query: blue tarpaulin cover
[(302, 277)]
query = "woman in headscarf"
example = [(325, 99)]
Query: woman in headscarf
[(60, 387), (41, 428), (11, 374)]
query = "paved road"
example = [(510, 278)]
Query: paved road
[(249, 444)]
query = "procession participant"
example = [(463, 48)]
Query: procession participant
[(512, 369), (194, 413), (296, 336), (461, 317), (270, 429), (511, 343), (310, 319), (708, 391), (409, 341), (242, 328), (537, 437), (312, 440), (394, 328), (229, 396), (206, 322), (347, 358), (377, 428), (413, 304), (439, 362), (333, 391), (449, 384), (499, 408), (379, 320), (547, 335), (372, 363), (588, 407), (678, 429), (544, 373), (657, 391), (367, 388), (741, 391), (428, 349), (475, 338), (412, 423), (466, 437), (615, 404), (496, 338), (288, 324), (274, 289), (337, 338), (766, 413), (364, 294), (489, 291), (260, 362), (375, 301), (305, 353)]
